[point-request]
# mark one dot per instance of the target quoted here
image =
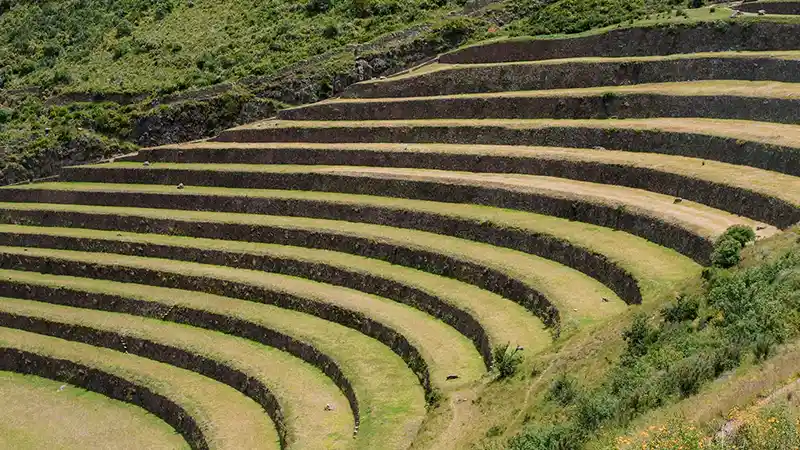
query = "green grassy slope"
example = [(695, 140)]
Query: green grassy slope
[(144, 45)]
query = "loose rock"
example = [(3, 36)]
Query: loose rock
[(180, 186)]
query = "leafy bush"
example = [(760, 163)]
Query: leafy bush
[(728, 247), (563, 390), (690, 373), (639, 337), (741, 233), (506, 360), (545, 437), (684, 308), (5, 115), (727, 252), (318, 6), (594, 409)]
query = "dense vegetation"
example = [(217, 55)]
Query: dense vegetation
[(166, 45), (575, 16), (739, 316)]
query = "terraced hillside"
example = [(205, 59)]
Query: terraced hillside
[(343, 275)]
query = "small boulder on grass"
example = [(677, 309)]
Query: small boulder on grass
[(762, 12), (181, 186)]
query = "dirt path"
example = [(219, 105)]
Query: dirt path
[(732, 425), (464, 411)]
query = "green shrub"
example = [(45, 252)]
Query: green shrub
[(741, 233), (727, 248), (433, 397), (506, 360), (594, 409), (318, 6), (684, 308), (726, 358), (545, 437), (563, 390), (5, 115), (639, 337), (495, 431), (689, 374), (727, 252)]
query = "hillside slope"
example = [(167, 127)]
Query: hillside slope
[(81, 80), (539, 242)]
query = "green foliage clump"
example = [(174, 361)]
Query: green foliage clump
[(506, 360), (5, 115), (728, 247), (563, 390), (639, 337), (545, 437), (141, 46), (575, 16), (684, 308)]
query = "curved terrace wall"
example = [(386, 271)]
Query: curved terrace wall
[(591, 106), (725, 149), (777, 7), (364, 282), (174, 356), (651, 228), (733, 199), (661, 40), (591, 263), (187, 316), (24, 362), (578, 74), (465, 271), (357, 321)]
